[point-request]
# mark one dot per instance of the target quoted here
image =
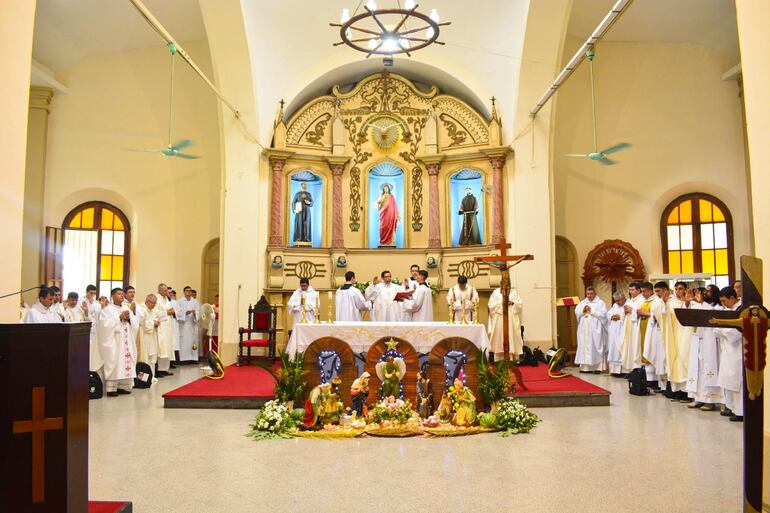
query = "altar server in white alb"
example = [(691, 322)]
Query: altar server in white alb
[(147, 338), (495, 326), (188, 315), (731, 359), (41, 312), (703, 367), (73, 310), (462, 297), (420, 307), (349, 301), (591, 314), (616, 325), (164, 312), (382, 294), (306, 295), (412, 281), (116, 332)]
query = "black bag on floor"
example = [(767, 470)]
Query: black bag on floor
[(143, 377), (539, 355), (95, 386), (637, 382), (529, 358)]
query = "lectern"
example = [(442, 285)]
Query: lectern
[(44, 418)]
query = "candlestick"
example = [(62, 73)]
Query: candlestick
[(330, 315), (462, 305), (317, 309), (451, 306), (476, 312), (304, 314)]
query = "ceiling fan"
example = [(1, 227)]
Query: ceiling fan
[(599, 156), (171, 150)]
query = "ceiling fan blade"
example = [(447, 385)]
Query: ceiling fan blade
[(575, 155), (185, 156), (180, 145), (144, 150), (605, 161), (617, 147)]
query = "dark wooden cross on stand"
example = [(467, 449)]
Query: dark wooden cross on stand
[(751, 320), (37, 426), (504, 262)]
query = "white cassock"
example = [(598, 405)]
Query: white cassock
[(654, 351), (731, 366), (39, 314), (188, 315), (117, 345), (703, 365), (456, 297), (420, 307), (495, 324), (58, 309), (147, 337), (381, 296), (676, 342), (631, 346), (95, 358), (173, 303), (165, 333), (615, 333), (350, 303), (311, 304), (591, 334), (75, 314)]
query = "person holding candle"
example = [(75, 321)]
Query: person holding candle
[(304, 298)]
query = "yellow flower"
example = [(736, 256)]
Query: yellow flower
[(457, 405)]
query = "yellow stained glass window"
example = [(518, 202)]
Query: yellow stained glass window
[(719, 216), (118, 224), (705, 211), (75, 222), (722, 265), (685, 212), (117, 268), (107, 217), (106, 267), (88, 219), (707, 260), (688, 262), (673, 217), (674, 263)]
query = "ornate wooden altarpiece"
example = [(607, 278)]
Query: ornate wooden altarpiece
[(613, 261)]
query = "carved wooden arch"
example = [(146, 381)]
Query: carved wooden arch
[(438, 374), (348, 369), (411, 359), (613, 261)]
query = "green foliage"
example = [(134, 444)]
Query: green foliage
[(272, 421), (399, 412), (513, 417), (494, 380), (290, 381)]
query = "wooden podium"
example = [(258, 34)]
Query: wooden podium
[(44, 418)]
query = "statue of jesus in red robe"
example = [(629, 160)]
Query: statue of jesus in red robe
[(389, 216)]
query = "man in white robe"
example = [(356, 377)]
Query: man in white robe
[(175, 325), (116, 332), (165, 314), (188, 315), (654, 352), (631, 344), (412, 281), (73, 310), (57, 306), (591, 315), (147, 335), (677, 342), (350, 303), (382, 294), (703, 366), (296, 304), (93, 306), (616, 324), (495, 324), (41, 312), (731, 359), (461, 298), (420, 306)]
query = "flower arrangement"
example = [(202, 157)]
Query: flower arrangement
[(391, 410), (513, 417), (494, 379), (290, 381), (273, 420)]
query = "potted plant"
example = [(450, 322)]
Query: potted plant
[(494, 380), (290, 381)]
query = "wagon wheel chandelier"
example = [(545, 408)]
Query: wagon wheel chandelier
[(389, 31)]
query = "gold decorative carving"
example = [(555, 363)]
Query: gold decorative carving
[(464, 126), (458, 137), (357, 138), (305, 269), (305, 123), (468, 268), (413, 138), (316, 134)]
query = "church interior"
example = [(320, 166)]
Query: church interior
[(243, 147)]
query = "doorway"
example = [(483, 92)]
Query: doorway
[(566, 285), (210, 282)]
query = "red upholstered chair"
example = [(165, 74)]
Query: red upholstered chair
[(259, 332)]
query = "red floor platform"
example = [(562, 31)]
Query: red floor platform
[(109, 507), (250, 386)]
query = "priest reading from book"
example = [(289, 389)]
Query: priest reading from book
[(304, 298), (419, 308), (350, 301), (382, 294)]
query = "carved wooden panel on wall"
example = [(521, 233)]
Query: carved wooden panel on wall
[(613, 261), (305, 269)]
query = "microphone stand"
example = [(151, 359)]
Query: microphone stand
[(20, 292)]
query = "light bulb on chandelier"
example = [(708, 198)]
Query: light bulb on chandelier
[(410, 4), (371, 5)]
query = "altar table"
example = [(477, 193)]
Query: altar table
[(361, 335)]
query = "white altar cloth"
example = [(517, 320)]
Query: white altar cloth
[(361, 335)]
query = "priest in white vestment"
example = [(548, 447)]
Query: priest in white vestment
[(382, 294), (420, 307), (305, 298), (631, 344), (350, 302), (57, 306), (654, 351), (75, 311), (677, 340), (116, 332), (165, 315), (413, 280), (731, 358), (461, 298), (495, 324), (591, 315), (94, 307), (188, 315), (616, 324), (703, 366), (175, 316), (147, 337), (41, 312)]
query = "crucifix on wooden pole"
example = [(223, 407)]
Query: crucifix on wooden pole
[(504, 262)]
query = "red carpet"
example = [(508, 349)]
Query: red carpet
[(246, 381), (109, 507), (536, 381)]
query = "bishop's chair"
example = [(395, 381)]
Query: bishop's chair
[(259, 332)]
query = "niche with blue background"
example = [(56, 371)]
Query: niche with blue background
[(458, 182), (379, 175), (315, 188)]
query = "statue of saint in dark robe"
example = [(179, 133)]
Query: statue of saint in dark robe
[(469, 209), (302, 204)]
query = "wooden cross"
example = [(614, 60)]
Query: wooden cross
[(504, 262), (38, 425)]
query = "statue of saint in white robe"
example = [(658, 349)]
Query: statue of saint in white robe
[(39, 314), (703, 366), (495, 324), (165, 333), (147, 337), (420, 307), (654, 351), (616, 323), (295, 305), (117, 345), (731, 366), (350, 303), (591, 335), (188, 315), (381, 295), (455, 298)]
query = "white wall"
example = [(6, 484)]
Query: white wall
[(121, 101), (685, 125)]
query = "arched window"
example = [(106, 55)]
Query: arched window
[(697, 236), (96, 248)]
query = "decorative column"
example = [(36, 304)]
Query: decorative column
[(277, 162), (497, 159), (337, 166), (432, 164)]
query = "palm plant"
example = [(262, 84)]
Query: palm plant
[(289, 379), (494, 379)]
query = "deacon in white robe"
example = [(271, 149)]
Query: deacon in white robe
[(591, 314), (350, 303), (420, 306), (631, 343), (703, 366), (731, 358), (116, 332), (188, 315), (165, 314), (495, 324), (41, 312), (461, 298), (147, 337), (309, 304), (382, 294), (653, 348), (616, 324)]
